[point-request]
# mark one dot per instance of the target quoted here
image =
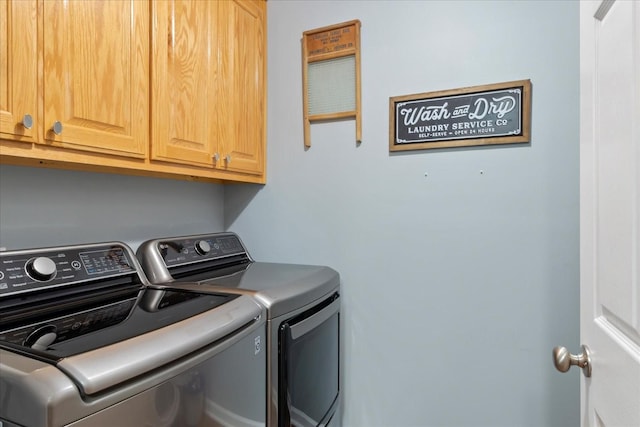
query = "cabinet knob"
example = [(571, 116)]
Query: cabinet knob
[(228, 158), (216, 157), (27, 121), (57, 127)]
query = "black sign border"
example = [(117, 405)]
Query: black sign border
[(525, 118)]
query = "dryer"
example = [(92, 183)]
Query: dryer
[(303, 317)]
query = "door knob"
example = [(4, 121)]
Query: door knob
[(563, 360)]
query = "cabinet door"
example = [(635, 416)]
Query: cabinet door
[(18, 70), (242, 116), (96, 75), (184, 81)]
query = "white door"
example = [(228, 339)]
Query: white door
[(610, 211)]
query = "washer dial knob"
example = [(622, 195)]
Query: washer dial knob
[(41, 268), (41, 338), (202, 247)]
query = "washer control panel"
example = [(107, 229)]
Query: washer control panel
[(199, 248), (26, 271)]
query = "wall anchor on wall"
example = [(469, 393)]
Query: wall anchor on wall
[(331, 75)]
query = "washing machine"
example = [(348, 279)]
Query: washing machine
[(303, 317), (87, 340)]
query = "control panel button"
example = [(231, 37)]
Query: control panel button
[(41, 269), (202, 247)]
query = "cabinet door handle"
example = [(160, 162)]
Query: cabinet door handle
[(57, 127), (216, 157), (27, 121), (228, 158)]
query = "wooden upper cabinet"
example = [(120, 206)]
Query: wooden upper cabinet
[(18, 70), (164, 87), (184, 81), (208, 84), (96, 75), (242, 120)]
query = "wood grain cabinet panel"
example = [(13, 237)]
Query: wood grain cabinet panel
[(208, 84), (184, 81), (242, 70), (96, 68), (18, 70)]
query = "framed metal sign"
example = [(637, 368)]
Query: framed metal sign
[(480, 115)]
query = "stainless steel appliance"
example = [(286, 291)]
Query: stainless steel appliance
[(86, 340), (303, 317)]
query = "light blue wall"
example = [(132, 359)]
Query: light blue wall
[(48, 207), (456, 283)]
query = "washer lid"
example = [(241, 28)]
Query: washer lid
[(105, 367), (100, 322), (103, 346)]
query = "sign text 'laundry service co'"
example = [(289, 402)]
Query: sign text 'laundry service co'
[(479, 115)]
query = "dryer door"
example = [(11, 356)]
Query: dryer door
[(309, 384)]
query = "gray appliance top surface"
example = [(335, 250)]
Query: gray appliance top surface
[(261, 276), (222, 261), (281, 288)]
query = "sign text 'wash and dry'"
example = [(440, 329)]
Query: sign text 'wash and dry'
[(480, 115)]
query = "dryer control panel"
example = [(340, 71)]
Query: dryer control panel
[(191, 249)]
